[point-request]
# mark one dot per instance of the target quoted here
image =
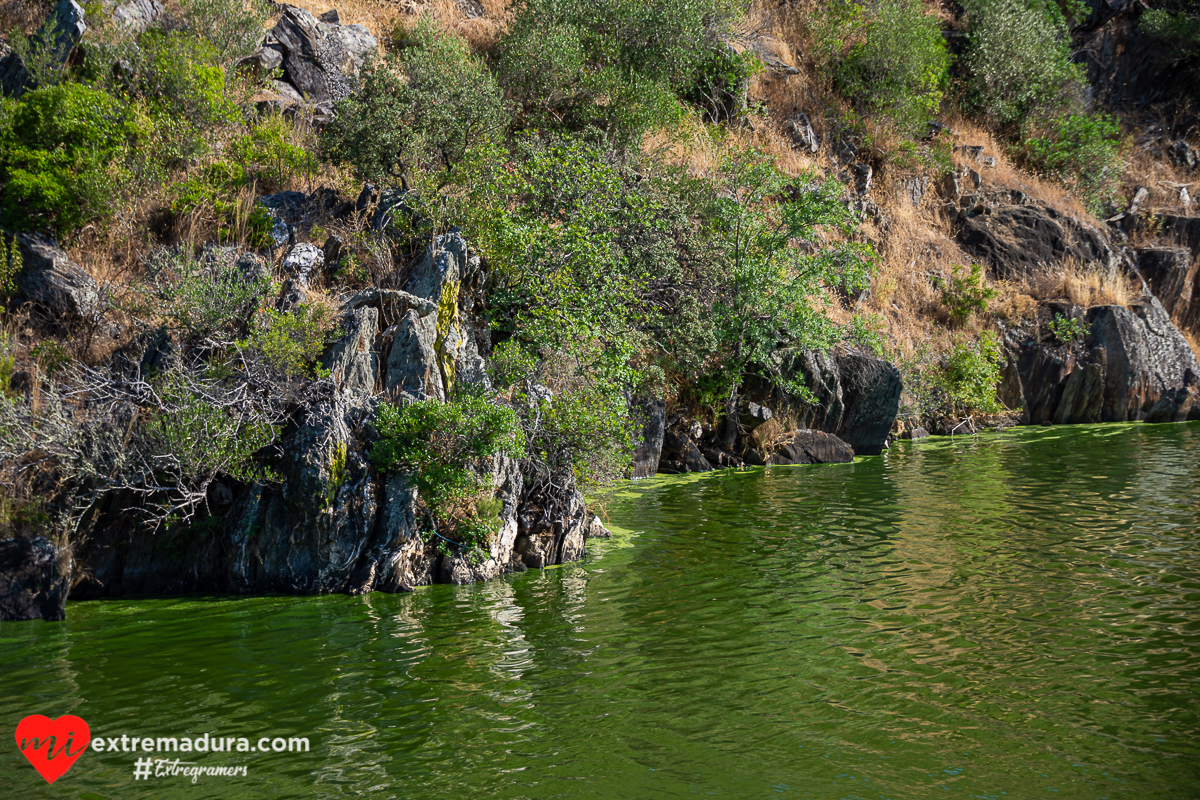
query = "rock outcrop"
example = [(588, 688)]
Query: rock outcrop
[(334, 524), (34, 578), (1015, 241), (1129, 360), (50, 278)]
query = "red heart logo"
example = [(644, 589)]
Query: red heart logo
[(52, 745)]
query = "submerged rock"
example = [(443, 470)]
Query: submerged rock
[(809, 447)]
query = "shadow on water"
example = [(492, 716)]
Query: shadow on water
[(1012, 615)]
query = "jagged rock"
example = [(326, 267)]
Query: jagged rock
[(810, 447), (802, 133), (973, 179), (649, 451), (914, 189), (302, 261), (320, 59), (51, 278), (1139, 198), (918, 433), (351, 360), (291, 296), (949, 187), (1183, 154), (1146, 356), (870, 389), (680, 454), (863, 177), (595, 529), (66, 27), (1170, 274), (278, 98), (35, 576), (751, 415), (1128, 68), (332, 250), (508, 486), (412, 364), (394, 301), (1176, 405), (1016, 241), (264, 60), (552, 522), (136, 15)]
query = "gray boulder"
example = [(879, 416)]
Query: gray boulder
[(649, 450), (302, 262), (64, 27), (1020, 240), (871, 390), (352, 360), (49, 277), (809, 447), (35, 576), (136, 15), (802, 133), (321, 59), (680, 454)]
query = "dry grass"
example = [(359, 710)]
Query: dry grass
[(1147, 166), (381, 17), (1077, 284), (25, 15)]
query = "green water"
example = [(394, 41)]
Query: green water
[(1012, 616)]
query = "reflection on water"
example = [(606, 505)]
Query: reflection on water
[(1016, 615)]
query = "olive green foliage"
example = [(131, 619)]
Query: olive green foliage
[(234, 28), (11, 264), (291, 342), (220, 192), (425, 107), (1177, 30), (954, 383), (1019, 58), (971, 375), (965, 292), (50, 356), (200, 301), (888, 56), (446, 448), (1083, 151), (201, 439), (269, 154), (1068, 330), (616, 65), (62, 155)]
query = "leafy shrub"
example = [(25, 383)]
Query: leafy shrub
[(219, 194), (290, 343), (446, 448), (50, 356), (62, 158), (1068, 329), (233, 28), (1019, 57), (971, 374), (1082, 151), (965, 293), (426, 106), (11, 264), (720, 83), (202, 301), (888, 56), (1177, 31), (617, 65), (270, 155)]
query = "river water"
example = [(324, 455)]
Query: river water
[(1015, 615)]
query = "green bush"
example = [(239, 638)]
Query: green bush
[(965, 293), (62, 158), (11, 264), (720, 83), (425, 107), (201, 301), (1083, 151), (1019, 58), (447, 449), (888, 56), (233, 28), (270, 155), (971, 374), (1178, 31), (617, 65), (290, 343), (1068, 329)]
